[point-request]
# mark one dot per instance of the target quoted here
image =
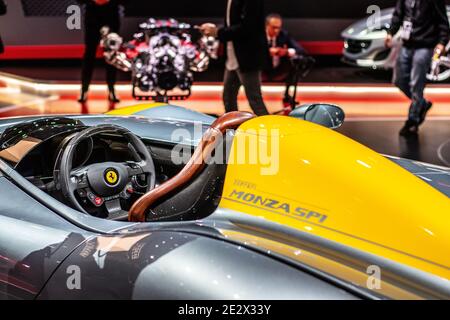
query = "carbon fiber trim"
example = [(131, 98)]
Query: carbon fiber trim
[(46, 8), (323, 9)]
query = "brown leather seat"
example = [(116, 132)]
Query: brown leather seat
[(193, 168)]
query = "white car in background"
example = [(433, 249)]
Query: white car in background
[(364, 46)]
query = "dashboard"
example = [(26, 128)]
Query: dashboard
[(35, 150), (40, 164)]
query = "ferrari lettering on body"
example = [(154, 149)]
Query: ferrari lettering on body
[(308, 214), (276, 206), (261, 201)]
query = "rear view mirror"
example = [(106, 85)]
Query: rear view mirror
[(324, 114)]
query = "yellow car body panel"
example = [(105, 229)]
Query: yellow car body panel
[(128, 111), (331, 186), (350, 273)]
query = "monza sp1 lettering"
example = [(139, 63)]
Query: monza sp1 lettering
[(277, 206)]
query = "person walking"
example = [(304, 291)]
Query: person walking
[(247, 51), (99, 13), (425, 31)]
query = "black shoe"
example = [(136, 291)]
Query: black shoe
[(113, 98), (83, 97), (410, 128), (423, 113)]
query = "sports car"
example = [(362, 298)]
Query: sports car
[(139, 204), (364, 46)]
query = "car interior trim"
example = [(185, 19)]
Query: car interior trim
[(83, 221), (232, 120)]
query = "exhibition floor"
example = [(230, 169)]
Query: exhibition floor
[(328, 69), (374, 113)]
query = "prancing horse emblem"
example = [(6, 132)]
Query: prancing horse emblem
[(111, 176)]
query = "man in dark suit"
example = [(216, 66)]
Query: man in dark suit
[(283, 50), (3, 10), (99, 13), (245, 42)]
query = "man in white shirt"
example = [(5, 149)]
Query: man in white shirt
[(246, 50), (283, 50)]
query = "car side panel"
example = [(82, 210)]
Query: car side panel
[(358, 198), (33, 242), (436, 176), (176, 265)]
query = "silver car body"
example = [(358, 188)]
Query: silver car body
[(364, 45)]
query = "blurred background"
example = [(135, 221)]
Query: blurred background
[(40, 69)]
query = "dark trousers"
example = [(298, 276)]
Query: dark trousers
[(251, 81), (410, 76), (285, 72), (92, 40)]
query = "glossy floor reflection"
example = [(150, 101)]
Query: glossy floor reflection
[(432, 145), (374, 113)]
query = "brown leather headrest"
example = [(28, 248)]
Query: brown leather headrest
[(210, 140)]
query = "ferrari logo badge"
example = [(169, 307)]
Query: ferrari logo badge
[(111, 177)]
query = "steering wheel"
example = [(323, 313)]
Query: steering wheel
[(104, 184)]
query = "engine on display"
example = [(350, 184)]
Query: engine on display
[(438, 64), (162, 58)]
